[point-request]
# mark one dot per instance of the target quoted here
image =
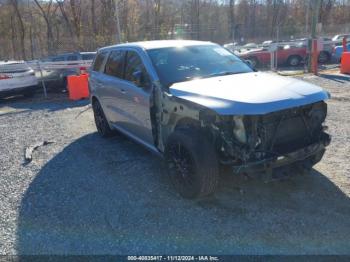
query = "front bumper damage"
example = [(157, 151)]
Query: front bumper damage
[(274, 140), (308, 156)]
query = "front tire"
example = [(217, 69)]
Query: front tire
[(192, 163), (101, 122)]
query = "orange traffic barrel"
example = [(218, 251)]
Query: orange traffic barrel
[(345, 63), (78, 87)]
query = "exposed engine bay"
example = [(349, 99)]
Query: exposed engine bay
[(247, 139)]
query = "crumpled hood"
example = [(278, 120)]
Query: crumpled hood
[(249, 93)]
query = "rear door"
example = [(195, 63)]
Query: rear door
[(112, 94), (282, 55), (96, 78)]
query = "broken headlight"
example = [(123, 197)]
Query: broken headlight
[(239, 129)]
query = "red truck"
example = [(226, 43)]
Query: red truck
[(286, 55)]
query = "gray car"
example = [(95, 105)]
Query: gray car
[(201, 107), (57, 77)]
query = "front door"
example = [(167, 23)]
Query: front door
[(136, 90)]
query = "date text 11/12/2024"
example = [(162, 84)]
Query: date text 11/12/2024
[(172, 258)]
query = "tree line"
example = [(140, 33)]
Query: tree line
[(30, 29)]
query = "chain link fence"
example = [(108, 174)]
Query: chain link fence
[(284, 48)]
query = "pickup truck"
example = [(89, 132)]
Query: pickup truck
[(286, 55)]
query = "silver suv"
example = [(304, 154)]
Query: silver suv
[(201, 107)]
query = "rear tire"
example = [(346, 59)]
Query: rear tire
[(192, 163), (294, 60), (101, 122), (29, 93), (323, 57), (253, 61)]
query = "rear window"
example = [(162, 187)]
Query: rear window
[(115, 64), (99, 61)]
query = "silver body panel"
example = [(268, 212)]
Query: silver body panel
[(127, 107), (253, 93)]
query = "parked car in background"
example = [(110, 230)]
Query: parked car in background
[(325, 52), (286, 55), (250, 46), (267, 43), (339, 38), (338, 51), (201, 107), (232, 46), (57, 78), (17, 78)]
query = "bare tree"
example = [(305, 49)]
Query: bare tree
[(93, 17), (65, 16), (76, 17), (47, 17), (21, 28), (88, 24), (231, 14), (157, 25)]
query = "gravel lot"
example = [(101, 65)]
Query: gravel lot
[(86, 195)]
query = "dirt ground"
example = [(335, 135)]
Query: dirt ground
[(88, 195)]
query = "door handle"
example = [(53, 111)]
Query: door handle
[(123, 91)]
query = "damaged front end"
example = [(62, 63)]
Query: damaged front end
[(259, 142)]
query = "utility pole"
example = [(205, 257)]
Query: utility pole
[(315, 4), (116, 15), (307, 6)]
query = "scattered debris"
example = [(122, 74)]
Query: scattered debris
[(83, 111), (29, 150)]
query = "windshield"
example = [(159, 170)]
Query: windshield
[(179, 64)]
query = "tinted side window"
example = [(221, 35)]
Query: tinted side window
[(88, 56), (99, 61), (58, 59), (134, 64), (115, 64), (72, 58)]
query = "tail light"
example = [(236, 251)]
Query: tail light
[(3, 77)]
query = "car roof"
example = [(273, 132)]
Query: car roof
[(340, 36), (160, 44), (87, 53), (71, 53), (13, 66), (11, 62)]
